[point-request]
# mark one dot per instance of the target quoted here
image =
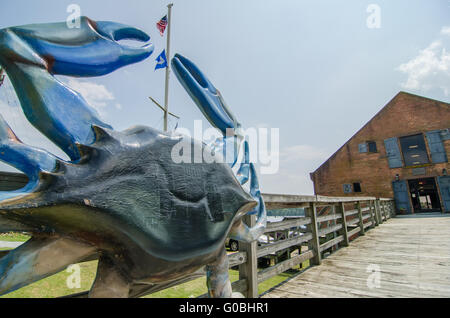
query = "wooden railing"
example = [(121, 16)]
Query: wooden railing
[(331, 223)]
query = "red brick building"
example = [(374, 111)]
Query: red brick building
[(402, 152)]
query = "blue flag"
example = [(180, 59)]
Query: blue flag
[(161, 60)]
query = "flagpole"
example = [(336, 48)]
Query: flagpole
[(166, 95)]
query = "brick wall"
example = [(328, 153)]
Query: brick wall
[(405, 114)]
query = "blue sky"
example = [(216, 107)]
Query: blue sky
[(313, 69)]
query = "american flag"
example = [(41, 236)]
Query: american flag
[(161, 25)]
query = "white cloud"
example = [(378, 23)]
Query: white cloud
[(445, 30), (96, 95), (430, 69)]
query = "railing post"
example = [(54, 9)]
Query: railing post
[(377, 211), (314, 244), (388, 209), (360, 215), (380, 205), (333, 208), (249, 270), (385, 211), (391, 209), (341, 210), (373, 214)]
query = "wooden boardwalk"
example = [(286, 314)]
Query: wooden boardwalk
[(412, 255)]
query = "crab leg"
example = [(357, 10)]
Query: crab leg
[(243, 173), (217, 279), (39, 258), (7, 225), (109, 281), (241, 231)]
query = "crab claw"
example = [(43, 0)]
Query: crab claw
[(32, 161), (32, 54), (204, 94), (90, 50), (117, 31)]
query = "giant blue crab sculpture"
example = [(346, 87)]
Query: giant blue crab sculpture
[(120, 196)]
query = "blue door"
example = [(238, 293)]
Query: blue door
[(401, 196), (444, 187)]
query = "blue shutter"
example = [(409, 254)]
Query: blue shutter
[(444, 188), (393, 153), (436, 146), (401, 196), (347, 188), (362, 147)]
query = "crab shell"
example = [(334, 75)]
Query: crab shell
[(131, 202)]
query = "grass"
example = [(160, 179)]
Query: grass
[(56, 285), (14, 237), (197, 287)]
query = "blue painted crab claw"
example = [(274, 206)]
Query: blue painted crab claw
[(32, 54), (90, 50), (205, 95), (34, 162)]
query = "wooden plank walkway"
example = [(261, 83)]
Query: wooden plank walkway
[(411, 253)]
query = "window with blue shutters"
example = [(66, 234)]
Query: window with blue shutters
[(414, 150), (369, 146)]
